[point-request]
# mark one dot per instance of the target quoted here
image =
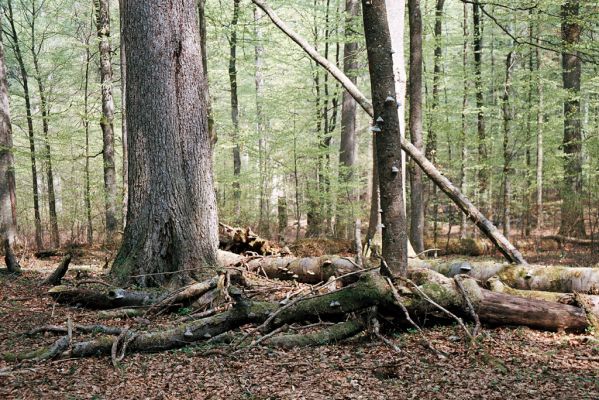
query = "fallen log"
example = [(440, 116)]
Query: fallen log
[(103, 300), (56, 277), (369, 291), (551, 278), (560, 239)]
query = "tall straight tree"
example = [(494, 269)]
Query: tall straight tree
[(8, 202), (348, 145), (15, 45), (172, 230), (572, 218), (102, 8), (36, 47), (415, 96), (388, 138), (123, 64), (508, 116), (235, 111)]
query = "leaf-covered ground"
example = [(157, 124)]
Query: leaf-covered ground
[(508, 363)]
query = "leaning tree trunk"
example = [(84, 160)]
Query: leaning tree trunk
[(415, 96), (572, 218), (171, 228), (107, 120), (388, 138), (8, 221)]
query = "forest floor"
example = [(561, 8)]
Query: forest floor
[(506, 363)]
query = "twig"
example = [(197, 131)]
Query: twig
[(425, 341), (124, 338), (446, 311), (91, 281), (376, 329), (424, 252), (470, 308)]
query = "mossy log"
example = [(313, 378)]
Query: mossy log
[(103, 300), (370, 290), (550, 278)]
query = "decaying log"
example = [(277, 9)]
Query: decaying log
[(97, 300), (56, 277), (487, 228), (108, 330), (550, 278), (241, 240), (331, 334), (560, 239)]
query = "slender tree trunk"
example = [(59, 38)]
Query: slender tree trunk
[(264, 220), (172, 231), (8, 217), (415, 96), (348, 147), (235, 112), (375, 199), (464, 132), (45, 110), (107, 120), (572, 218), (388, 140), (483, 172), (87, 196), (540, 111), (203, 36), (30, 132), (507, 151), (123, 59)]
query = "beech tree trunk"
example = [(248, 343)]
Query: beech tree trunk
[(464, 132), (172, 232), (507, 151), (102, 8), (235, 111), (572, 218), (123, 61), (14, 41), (540, 155), (8, 216), (348, 146), (415, 96), (388, 138), (87, 195)]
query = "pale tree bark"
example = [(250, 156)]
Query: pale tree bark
[(261, 127), (415, 96), (572, 218), (14, 44), (8, 213), (483, 171), (102, 9), (540, 155), (235, 111), (388, 138), (507, 151), (123, 61), (464, 132), (45, 110), (348, 147), (172, 233)]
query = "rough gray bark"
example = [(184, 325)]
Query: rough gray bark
[(415, 96), (572, 218), (45, 110), (123, 61), (388, 139), (8, 219), (235, 111), (348, 146), (172, 230), (102, 8), (14, 43)]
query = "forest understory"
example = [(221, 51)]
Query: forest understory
[(440, 363)]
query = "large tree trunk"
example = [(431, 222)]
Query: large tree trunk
[(171, 232), (107, 120), (8, 219), (572, 218), (388, 138), (415, 96), (45, 110), (123, 63), (235, 112), (30, 132), (348, 146)]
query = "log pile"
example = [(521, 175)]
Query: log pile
[(243, 240)]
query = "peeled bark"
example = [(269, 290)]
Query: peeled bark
[(102, 8), (171, 234)]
